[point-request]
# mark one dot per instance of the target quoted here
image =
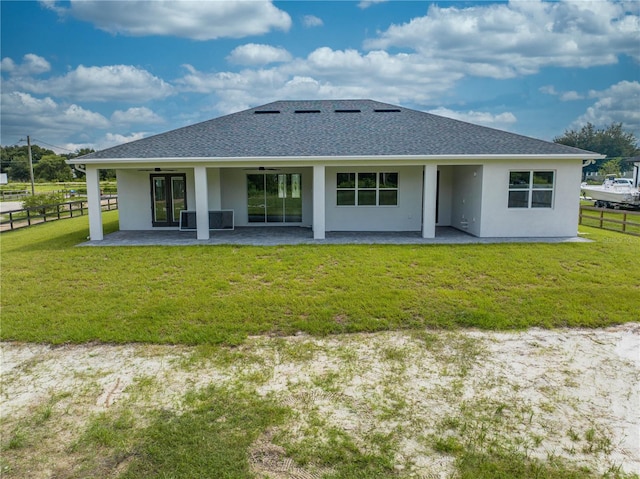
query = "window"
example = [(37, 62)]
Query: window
[(531, 189), (367, 189)]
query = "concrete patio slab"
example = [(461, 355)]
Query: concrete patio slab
[(284, 235)]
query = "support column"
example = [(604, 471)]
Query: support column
[(216, 194), (429, 193), (318, 202), (95, 207), (202, 202)]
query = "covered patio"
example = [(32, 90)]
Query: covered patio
[(281, 235)]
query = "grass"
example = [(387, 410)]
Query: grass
[(214, 434), (55, 293)]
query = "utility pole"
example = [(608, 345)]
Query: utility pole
[(33, 188)]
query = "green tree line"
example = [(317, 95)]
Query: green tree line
[(619, 145), (47, 164)]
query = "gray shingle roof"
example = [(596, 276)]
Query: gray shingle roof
[(331, 128)]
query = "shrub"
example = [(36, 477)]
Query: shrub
[(43, 201)]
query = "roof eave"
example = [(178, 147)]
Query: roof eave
[(331, 159)]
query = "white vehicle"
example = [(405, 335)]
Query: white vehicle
[(613, 193)]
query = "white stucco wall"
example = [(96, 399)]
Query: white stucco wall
[(134, 198), (466, 198), (406, 216), (559, 221), (445, 195), (472, 198)]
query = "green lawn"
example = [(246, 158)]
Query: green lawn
[(54, 292)]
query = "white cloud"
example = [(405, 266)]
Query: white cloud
[(135, 115), (256, 54), (31, 65), (197, 20), (106, 141), (34, 64), (571, 96), (113, 139), (24, 114), (47, 110), (501, 120), (7, 65), (326, 73), (367, 3), (106, 83), (564, 96), (620, 103), (380, 73), (548, 90), (519, 38), (311, 21)]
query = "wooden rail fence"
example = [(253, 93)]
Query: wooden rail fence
[(11, 220), (608, 219), (13, 194)]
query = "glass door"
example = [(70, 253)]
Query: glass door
[(257, 208), (293, 198), (274, 198), (168, 198)]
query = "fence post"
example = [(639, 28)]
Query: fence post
[(28, 217), (624, 223), (580, 216), (601, 217)]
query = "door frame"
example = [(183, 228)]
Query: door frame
[(286, 192), (171, 221)]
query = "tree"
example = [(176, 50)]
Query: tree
[(53, 168), (610, 167), (612, 141), (18, 169), (13, 160)]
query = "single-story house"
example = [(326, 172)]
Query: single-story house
[(341, 165)]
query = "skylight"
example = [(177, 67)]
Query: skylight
[(347, 111), (387, 110), (266, 112), (307, 111)]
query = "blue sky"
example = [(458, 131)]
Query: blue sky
[(98, 73)]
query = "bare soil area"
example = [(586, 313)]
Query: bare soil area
[(572, 394)]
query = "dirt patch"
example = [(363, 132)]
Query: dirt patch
[(571, 394)]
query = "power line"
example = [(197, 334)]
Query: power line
[(53, 146)]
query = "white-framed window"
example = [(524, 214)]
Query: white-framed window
[(367, 189), (531, 189)]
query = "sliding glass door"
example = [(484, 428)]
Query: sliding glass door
[(274, 198)]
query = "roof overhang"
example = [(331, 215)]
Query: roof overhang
[(312, 160)]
